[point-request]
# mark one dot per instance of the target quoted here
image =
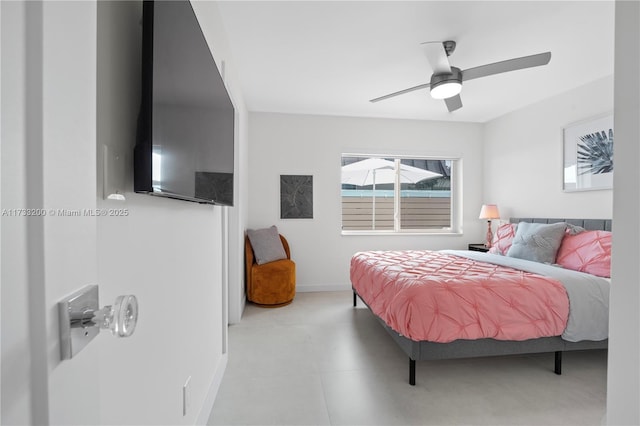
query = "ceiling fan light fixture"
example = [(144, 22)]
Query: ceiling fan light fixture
[(446, 90), (446, 85)]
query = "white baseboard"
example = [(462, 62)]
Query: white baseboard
[(326, 287), (210, 399)]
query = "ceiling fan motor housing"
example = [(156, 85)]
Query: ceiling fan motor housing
[(449, 46), (452, 80)]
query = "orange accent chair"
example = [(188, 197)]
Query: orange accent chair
[(271, 284)]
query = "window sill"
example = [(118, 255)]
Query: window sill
[(402, 234)]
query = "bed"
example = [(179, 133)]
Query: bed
[(569, 310)]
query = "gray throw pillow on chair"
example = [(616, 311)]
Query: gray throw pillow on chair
[(538, 242), (266, 244)]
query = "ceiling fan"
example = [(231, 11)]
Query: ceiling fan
[(446, 81)]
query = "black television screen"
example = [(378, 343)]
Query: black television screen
[(185, 142)]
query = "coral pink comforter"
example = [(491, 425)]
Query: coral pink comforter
[(427, 295)]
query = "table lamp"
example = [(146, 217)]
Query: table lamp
[(489, 212)]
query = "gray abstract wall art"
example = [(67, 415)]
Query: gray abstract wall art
[(296, 197)]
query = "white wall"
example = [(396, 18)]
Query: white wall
[(213, 28), (623, 375), (68, 107), (168, 253), (16, 389), (51, 153), (312, 145), (523, 167)]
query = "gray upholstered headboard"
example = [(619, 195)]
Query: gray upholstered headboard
[(590, 224)]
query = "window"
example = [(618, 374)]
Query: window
[(389, 194)]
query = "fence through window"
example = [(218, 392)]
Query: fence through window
[(396, 194)]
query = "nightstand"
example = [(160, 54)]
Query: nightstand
[(478, 247)]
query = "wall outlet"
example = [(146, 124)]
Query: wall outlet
[(186, 396)]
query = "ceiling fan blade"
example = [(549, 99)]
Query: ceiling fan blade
[(506, 66), (453, 103), (437, 56), (401, 92)]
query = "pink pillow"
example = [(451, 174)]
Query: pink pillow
[(588, 251), (503, 238)]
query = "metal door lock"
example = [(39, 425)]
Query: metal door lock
[(81, 319)]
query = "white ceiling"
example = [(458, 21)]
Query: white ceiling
[(331, 57)]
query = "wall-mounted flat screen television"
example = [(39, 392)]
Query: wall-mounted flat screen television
[(185, 141)]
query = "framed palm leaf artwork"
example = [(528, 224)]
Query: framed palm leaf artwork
[(588, 155)]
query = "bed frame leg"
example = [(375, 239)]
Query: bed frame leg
[(558, 364), (412, 372), (355, 299)]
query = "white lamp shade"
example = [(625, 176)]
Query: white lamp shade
[(489, 211)]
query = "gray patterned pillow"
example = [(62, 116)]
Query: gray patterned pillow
[(538, 242), (266, 244)]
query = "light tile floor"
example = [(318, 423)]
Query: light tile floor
[(319, 361)]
